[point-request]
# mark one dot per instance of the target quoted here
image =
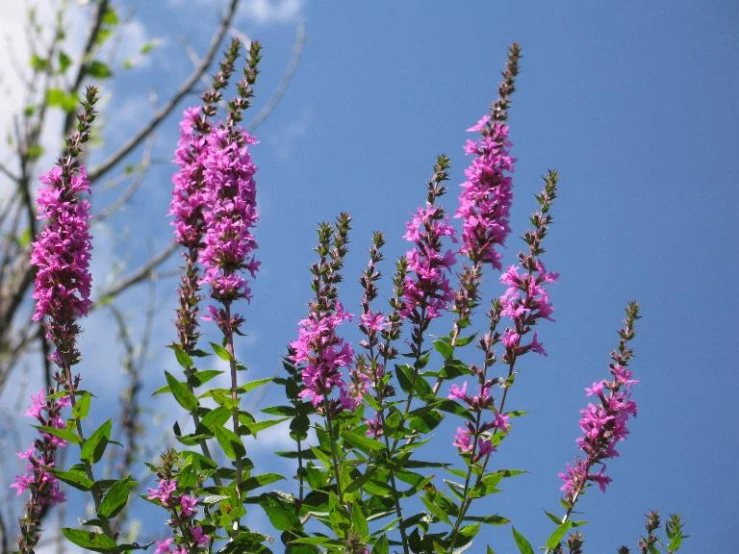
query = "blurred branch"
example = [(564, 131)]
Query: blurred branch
[(124, 198), (3, 536), (92, 37), (139, 275), (184, 89), (285, 82)]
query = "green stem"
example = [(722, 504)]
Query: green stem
[(96, 495), (228, 336)]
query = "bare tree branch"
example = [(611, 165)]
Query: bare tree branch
[(269, 107), (92, 36), (139, 275), (184, 89)]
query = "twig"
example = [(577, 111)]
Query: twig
[(184, 89), (92, 37), (292, 67), (139, 275)]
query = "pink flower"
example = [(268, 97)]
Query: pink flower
[(603, 426), (458, 393), (486, 197), (163, 492), (188, 198), (374, 321), (427, 284), (188, 504), (61, 255), (323, 354), (163, 546), (198, 536), (230, 214)]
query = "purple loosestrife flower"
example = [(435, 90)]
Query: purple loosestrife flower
[(44, 486), (230, 215), (524, 302), (486, 197), (61, 255), (428, 286), (323, 354), (474, 438), (188, 196), (604, 424)]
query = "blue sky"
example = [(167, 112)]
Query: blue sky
[(634, 103)]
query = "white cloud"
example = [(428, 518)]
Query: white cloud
[(265, 12), (262, 12), (284, 140)]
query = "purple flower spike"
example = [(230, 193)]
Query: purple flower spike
[(486, 197)]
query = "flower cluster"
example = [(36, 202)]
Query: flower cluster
[(230, 214), (43, 485), (188, 197), (487, 194), (474, 438), (62, 255), (524, 302), (428, 284), (603, 426), (324, 354), (182, 507)]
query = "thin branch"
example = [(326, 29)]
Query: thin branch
[(184, 89), (9, 174), (123, 199), (92, 36), (285, 82), (139, 275)]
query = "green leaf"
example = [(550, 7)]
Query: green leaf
[(183, 358), (221, 352), (64, 61), (556, 537), (260, 481), (82, 406), (110, 17), (362, 441), (148, 47), (201, 377), (382, 546), (246, 387), (230, 442), (90, 540), (258, 426), (38, 63), (116, 497), (99, 70), (281, 514), (75, 477), (65, 434), (181, 393), (452, 407), (288, 411), (95, 445), (443, 346), (524, 547), (34, 152), (359, 522)]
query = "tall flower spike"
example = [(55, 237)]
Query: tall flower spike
[(604, 424), (486, 197), (322, 353), (427, 291), (188, 196), (231, 212), (61, 253)]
